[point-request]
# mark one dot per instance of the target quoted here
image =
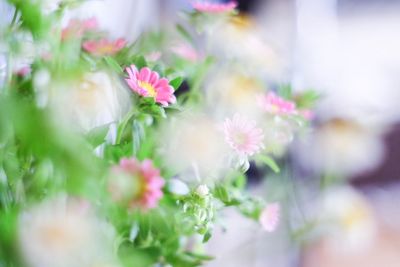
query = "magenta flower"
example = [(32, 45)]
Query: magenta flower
[(104, 47), (147, 83), (139, 183), (275, 104), (243, 135), (269, 217), (213, 7)]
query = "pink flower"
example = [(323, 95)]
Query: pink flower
[(144, 187), (276, 105), (269, 217), (243, 135), (186, 52), (25, 70), (307, 114), (104, 47), (147, 83), (213, 7), (153, 56), (76, 28)]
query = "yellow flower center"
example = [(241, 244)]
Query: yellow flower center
[(151, 91), (106, 49)]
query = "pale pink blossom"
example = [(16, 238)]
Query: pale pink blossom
[(153, 56), (25, 70), (275, 104), (212, 6), (187, 52), (104, 47), (144, 182), (269, 217), (307, 114), (76, 28), (243, 135), (147, 83)]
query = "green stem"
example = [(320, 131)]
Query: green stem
[(14, 19), (123, 124)]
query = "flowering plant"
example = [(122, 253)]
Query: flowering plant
[(129, 150)]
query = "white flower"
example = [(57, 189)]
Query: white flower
[(193, 144), (64, 232), (96, 99), (178, 187), (349, 219), (202, 190), (343, 147)]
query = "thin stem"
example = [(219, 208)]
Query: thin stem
[(14, 19), (122, 126)]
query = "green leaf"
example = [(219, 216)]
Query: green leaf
[(113, 64), (307, 99), (148, 106), (285, 91), (222, 194), (176, 82), (269, 162), (140, 62), (138, 134), (97, 136), (207, 237), (184, 33)]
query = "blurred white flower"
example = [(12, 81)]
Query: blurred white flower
[(234, 92), (195, 146), (64, 232), (343, 147), (240, 39), (202, 190), (349, 218), (96, 99)]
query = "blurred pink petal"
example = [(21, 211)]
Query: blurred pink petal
[(150, 182), (104, 47), (269, 217), (275, 104), (213, 7)]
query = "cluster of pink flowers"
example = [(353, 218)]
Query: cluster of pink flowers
[(148, 83), (104, 47), (148, 181), (77, 28), (213, 7), (243, 135), (275, 104)]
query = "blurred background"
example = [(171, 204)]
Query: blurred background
[(347, 50)]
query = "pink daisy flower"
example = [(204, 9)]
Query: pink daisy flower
[(213, 7), (275, 104), (147, 83), (243, 135), (269, 217), (104, 47), (77, 28), (146, 178)]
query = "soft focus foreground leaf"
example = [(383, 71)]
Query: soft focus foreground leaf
[(270, 162)]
